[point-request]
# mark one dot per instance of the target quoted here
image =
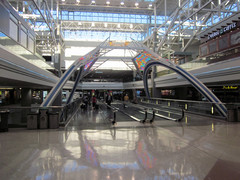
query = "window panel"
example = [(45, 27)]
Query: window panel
[(115, 20), (13, 30), (77, 18), (76, 13)]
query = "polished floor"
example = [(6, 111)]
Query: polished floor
[(90, 148)]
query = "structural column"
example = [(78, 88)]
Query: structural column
[(134, 91), (26, 95), (153, 74), (57, 65), (26, 100)]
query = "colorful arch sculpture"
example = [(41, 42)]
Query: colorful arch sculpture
[(147, 58)]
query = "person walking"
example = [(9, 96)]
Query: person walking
[(126, 99), (85, 101), (94, 102), (109, 99)]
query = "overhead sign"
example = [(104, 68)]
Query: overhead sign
[(230, 87), (223, 30)]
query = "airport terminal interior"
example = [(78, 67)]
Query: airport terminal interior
[(120, 89)]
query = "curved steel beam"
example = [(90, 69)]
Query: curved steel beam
[(189, 77), (75, 85), (91, 56)]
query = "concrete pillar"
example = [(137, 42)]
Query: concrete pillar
[(134, 92), (41, 95), (26, 100), (154, 69), (26, 95), (11, 96), (158, 93), (57, 63)]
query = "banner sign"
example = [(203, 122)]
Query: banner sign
[(223, 30)]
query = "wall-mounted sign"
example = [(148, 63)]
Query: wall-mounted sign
[(228, 28), (230, 87), (223, 30)]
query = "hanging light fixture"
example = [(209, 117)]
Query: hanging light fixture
[(136, 4), (122, 3), (108, 3)]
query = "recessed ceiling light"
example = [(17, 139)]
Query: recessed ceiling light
[(108, 2), (150, 5), (77, 1), (93, 2), (63, 0)]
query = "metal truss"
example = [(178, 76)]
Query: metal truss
[(39, 16), (114, 7), (101, 53), (188, 21), (100, 26)]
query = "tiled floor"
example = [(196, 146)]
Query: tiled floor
[(90, 148)]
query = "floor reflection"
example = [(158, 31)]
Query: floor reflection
[(192, 149)]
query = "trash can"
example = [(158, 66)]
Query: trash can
[(43, 119), (53, 120), (32, 121), (4, 120)]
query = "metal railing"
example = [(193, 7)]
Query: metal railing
[(144, 109), (158, 112), (114, 110), (18, 115), (68, 111), (196, 107)]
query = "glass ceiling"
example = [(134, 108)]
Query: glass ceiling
[(95, 23)]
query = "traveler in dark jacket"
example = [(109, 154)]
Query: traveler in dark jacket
[(109, 99)]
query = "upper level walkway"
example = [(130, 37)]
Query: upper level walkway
[(17, 71)]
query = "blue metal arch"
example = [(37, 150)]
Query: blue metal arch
[(192, 79)]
